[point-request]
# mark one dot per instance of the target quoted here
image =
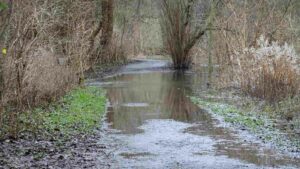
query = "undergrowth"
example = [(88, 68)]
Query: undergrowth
[(77, 113), (269, 72)]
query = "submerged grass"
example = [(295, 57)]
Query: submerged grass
[(78, 112)]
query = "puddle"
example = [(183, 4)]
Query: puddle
[(135, 104), (159, 127), (135, 155)]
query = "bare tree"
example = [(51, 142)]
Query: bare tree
[(179, 32), (108, 21)]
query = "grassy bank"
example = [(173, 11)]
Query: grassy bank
[(262, 121), (78, 112), (61, 134)]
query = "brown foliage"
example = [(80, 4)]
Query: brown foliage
[(241, 25), (271, 80)]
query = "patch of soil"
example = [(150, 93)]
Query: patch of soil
[(79, 152)]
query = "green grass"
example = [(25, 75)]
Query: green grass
[(79, 112), (259, 123), (231, 114)]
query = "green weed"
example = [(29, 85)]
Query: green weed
[(80, 111)]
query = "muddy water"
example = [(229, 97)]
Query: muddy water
[(151, 123)]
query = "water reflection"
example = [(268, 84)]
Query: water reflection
[(162, 95)]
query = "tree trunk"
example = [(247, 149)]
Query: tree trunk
[(179, 33), (108, 22)]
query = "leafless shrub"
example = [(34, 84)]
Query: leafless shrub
[(47, 44), (271, 78), (247, 20), (269, 72), (45, 79)]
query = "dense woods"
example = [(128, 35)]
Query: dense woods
[(47, 46)]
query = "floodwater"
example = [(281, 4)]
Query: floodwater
[(151, 123)]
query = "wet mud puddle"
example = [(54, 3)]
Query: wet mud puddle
[(151, 123)]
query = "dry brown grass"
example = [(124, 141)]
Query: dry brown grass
[(269, 79), (269, 72)]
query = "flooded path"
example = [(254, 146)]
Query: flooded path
[(151, 123)]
